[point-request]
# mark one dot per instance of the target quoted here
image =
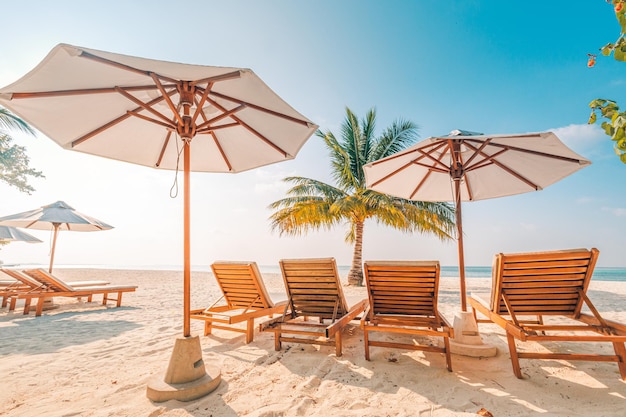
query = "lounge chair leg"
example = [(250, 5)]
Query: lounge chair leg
[(12, 303), (366, 341), (4, 301), (620, 351), (27, 306), (105, 298), (250, 331), (208, 327), (119, 299), (338, 343), (39, 310), (514, 358), (277, 344), (446, 344)]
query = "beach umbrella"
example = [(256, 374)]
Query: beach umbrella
[(150, 112), (468, 166), (56, 217), (10, 234)]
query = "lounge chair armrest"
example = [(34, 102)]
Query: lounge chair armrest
[(355, 310)]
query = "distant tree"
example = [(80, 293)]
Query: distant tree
[(615, 124), (14, 168), (313, 205)]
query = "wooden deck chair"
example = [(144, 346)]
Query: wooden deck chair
[(314, 292), (52, 286), (244, 298), (403, 299), (23, 283), (528, 286), (15, 286)]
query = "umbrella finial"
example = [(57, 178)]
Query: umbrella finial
[(459, 132)]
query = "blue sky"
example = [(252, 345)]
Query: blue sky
[(486, 66)]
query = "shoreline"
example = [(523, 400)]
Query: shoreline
[(85, 359), (601, 273)]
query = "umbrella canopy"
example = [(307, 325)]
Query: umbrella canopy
[(468, 166), (151, 112), (56, 216), (8, 234)]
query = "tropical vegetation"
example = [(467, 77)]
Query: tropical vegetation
[(313, 205), (615, 124)]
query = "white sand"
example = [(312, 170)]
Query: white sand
[(82, 359)]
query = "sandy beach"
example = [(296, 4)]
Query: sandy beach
[(82, 359)]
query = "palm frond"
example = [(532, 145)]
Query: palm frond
[(10, 121), (399, 136)]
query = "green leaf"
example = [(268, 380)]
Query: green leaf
[(621, 144), (608, 128), (607, 49), (592, 118), (622, 157)]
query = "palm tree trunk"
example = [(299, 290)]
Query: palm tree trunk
[(355, 276)]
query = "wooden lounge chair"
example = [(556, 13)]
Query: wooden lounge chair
[(11, 287), (23, 283), (314, 291), (403, 299), (52, 286), (527, 287), (245, 298)]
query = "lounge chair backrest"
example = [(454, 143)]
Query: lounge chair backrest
[(313, 287), (542, 283), (402, 287), (242, 284), (49, 280), (23, 278)]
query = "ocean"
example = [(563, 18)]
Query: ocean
[(599, 274)]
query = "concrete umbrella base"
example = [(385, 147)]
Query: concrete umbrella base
[(187, 377), (467, 340)]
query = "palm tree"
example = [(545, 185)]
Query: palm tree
[(312, 205), (14, 163), (10, 121)]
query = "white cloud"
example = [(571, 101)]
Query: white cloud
[(581, 138), (585, 200), (529, 227), (270, 181), (616, 211)]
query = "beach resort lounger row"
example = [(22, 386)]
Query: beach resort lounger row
[(402, 298), (41, 285), (316, 310)]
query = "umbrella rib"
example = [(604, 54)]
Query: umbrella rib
[(82, 91), (504, 167), (219, 147), (217, 78), (212, 128), (430, 169), (113, 122), (140, 103), (149, 119), (167, 97), (199, 104), (165, 143), (532, 152), (259, 135), (85, 54), (263, 109), (206, 125)]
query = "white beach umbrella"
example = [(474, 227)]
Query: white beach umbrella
[(10, 234), (150, 112), (467, 166), (56, 217)]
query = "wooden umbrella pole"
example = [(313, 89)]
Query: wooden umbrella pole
[(187, 244), (459, 225), (54, 244)]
